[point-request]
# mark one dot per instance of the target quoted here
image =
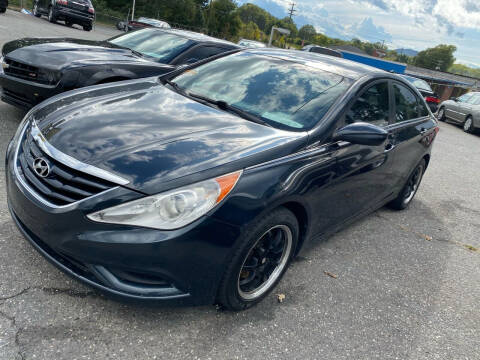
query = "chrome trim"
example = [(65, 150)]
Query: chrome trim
[(33, 192), (70, 161)]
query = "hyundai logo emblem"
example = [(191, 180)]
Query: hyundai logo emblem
[(41, 167)]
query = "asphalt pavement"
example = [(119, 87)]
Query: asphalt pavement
[(407, 283)]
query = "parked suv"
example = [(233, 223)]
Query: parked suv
[(3, 6), (79, 12)]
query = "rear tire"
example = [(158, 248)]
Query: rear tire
[(3, 10), (408, 192), (87, 27), (260, 260), (468, 125), (68, 23), (51, 15), (35, 10), (441, 114)]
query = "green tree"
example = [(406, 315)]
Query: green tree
[(253, 13), (251, 31), (438, 58), (223, 20), (307, 32)]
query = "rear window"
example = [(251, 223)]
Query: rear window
[(419, 83), (159, 45), (283, 93)]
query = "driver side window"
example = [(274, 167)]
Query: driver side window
[(372, 106)]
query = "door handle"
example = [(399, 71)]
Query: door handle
[(423, 131)]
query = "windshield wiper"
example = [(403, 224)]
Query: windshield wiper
[(221, 104), (175, 86)]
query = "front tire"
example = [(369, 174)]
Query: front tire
[(3, 10), (51, 15), (260, 260), (468, 125), (408, 192), (441, 114)]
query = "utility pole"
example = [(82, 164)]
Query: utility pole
[(292, 10)]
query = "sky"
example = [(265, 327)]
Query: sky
[(413, 24)]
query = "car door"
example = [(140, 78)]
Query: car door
[(364, 174), (412, 130), (466, 108), (454, 109)]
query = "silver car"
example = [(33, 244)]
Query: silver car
[(464, 110)]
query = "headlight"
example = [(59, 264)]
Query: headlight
[(172, 209)]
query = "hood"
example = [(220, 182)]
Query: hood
[(58, 53), (149, 135)]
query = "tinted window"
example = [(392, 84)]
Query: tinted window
[(283, 93), (161, 46), (419, 83), (199, 53), (407, 105), (372, 106), (477, 100)]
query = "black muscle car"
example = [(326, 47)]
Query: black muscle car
[(33, 70)]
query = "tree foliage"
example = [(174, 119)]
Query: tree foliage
[(438, 58), (307, 32)]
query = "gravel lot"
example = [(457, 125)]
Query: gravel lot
[(408, 284)]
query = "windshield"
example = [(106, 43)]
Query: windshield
[(282, 93), (161, 46), (418, 83)]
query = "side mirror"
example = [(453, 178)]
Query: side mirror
[(362, 134)]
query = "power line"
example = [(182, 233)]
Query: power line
[(292, 10)]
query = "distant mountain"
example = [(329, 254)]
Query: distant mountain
[(408, 52)]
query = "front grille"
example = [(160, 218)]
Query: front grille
[(63, 185), (24, 71)]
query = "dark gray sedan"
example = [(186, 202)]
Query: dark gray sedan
[(464, 110)]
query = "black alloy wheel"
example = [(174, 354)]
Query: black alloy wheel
[(260, 261), (51, 15), (410, 189), (35, 10)]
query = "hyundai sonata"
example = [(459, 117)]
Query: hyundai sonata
[(201, 186)]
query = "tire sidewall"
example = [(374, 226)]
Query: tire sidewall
[(423, 165), (470, 128), (228, 292), (441, 111)]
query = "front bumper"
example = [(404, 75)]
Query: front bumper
[(23, 93), (131, 263)]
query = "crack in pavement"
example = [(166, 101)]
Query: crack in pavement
[(17, 332), (47, 290), (429, 238), (54, 291)]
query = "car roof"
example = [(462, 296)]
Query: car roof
[(198, 37), (346, 68)]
